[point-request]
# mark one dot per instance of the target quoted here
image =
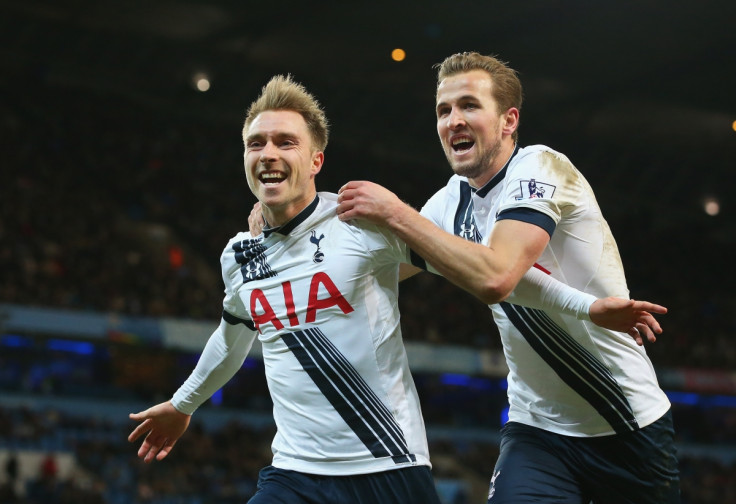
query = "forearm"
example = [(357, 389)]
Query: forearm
[(489, 273), (539, 290), (469, 265), (222, 357)]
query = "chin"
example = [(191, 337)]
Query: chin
[(468, 171), (461, 167)]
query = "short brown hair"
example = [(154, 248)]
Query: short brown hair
[(283, 93), (506, 89)]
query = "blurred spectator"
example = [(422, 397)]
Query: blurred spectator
[(130, 216), (222, 466)]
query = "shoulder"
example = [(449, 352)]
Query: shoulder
[(229, 258), (539, 154), (369, 235), (237, 244), (327, 206), (238, 238), (327, 198), (542, 163)]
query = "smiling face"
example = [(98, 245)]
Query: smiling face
[(281, 163), (475, 135)]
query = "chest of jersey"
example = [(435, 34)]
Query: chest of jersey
[(322, 276), (295, 280)]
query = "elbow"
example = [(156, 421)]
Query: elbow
[(495, 291)]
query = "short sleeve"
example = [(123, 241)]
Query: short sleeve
[(542, 186)]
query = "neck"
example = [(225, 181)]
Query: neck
[(498, 161), (277, 216)]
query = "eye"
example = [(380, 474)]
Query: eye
[(443, 111), (253, 144), (471, 106)]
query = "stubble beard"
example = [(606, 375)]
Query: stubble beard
[(477, 168)]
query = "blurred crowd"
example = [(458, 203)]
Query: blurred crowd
[(220, 460), (221, 465), (112, 206)]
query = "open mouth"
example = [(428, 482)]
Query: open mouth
[(462, 144), (271, 178)]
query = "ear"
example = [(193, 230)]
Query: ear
[(318, 158), (511, 121)]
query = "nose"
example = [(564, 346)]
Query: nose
[(455, 119), (268, 153)]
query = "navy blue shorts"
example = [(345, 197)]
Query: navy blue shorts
[(411, 485), (633, 468)]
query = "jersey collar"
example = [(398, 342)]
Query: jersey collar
[(498, 177), (294, 222)]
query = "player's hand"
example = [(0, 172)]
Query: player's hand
[(627, 315), (164, 426), (367, 200), (255, 220)]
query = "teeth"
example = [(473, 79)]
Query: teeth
[(271, 176), (457, 141)]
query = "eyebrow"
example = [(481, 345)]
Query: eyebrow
[(278, 136), (462, 99)]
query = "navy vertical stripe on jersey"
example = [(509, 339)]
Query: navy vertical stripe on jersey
[(464, 221), (349, 394), (577, 367)]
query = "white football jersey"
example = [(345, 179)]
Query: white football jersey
[(566, 375), (322, 295)]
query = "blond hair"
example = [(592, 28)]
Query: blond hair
[(283, 93)]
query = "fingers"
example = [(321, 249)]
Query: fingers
[(651, 322), (646, 327), (345, 194), (350, 185), (155, 447), (649, 307), (151, 448), (647, 332), (634, 333), (153, 444), (138, 417), (142, 428), (165, 450), (345, 204)]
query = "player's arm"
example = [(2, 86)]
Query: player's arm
[(222, 357), (503, 270), (539, 290), (256, 223), (489, 273)]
